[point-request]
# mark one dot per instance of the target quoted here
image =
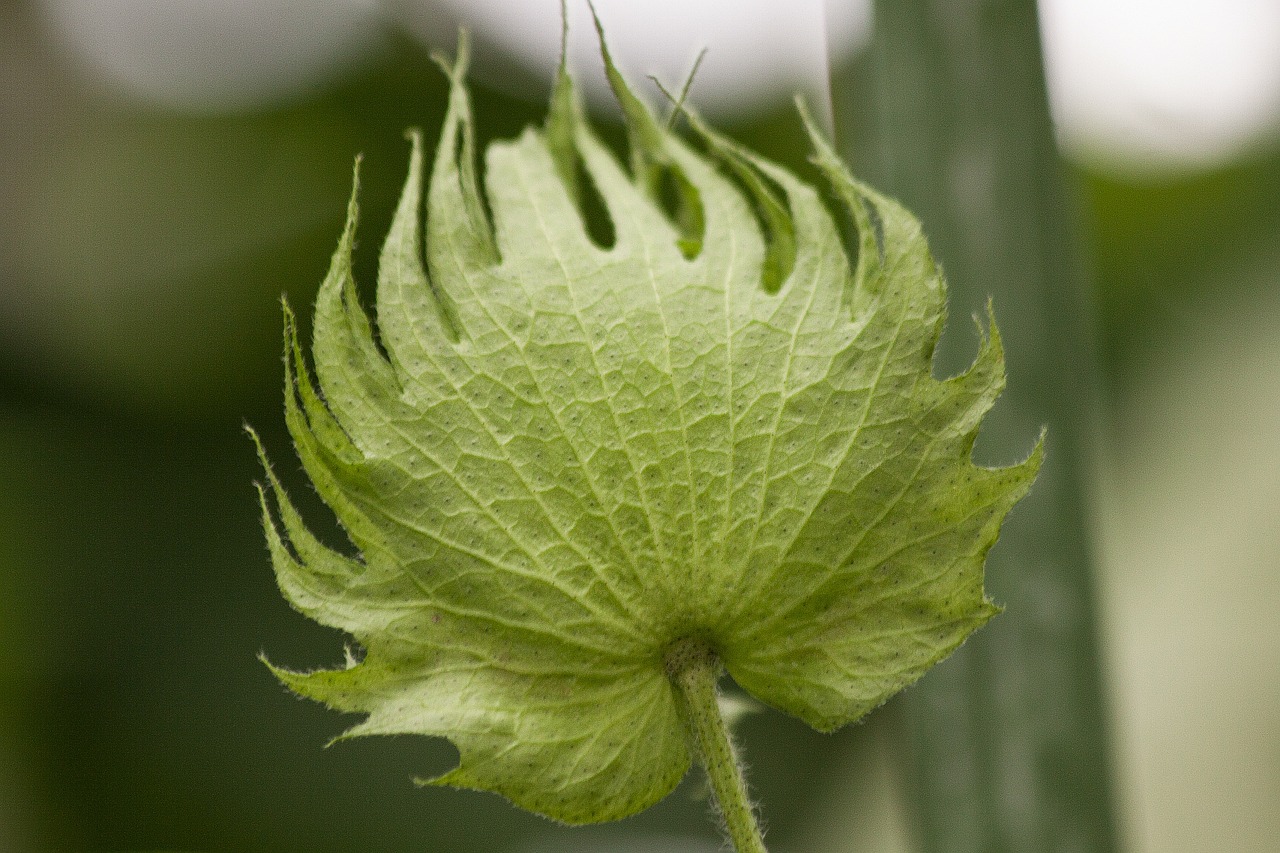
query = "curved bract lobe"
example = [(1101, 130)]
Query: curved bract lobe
[(558, 457)]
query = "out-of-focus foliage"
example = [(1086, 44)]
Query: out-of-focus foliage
[(1165, 250)]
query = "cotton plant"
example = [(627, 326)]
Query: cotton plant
[(585, 478)]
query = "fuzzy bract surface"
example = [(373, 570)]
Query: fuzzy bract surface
[(556, 458)]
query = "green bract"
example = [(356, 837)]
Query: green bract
[(561, 459)]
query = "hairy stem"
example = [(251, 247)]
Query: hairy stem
[(694, 669)]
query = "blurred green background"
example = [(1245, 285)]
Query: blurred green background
[(144, 246)]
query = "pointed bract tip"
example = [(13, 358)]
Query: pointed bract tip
[(1039, 451), (678, 102), (595, 16), (823, 152), (611, 70), (353, 207), (257, 444), (564, 38), (639, 120), (455, 69), (562, 91)]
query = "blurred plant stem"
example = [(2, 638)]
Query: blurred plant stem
[(1006, 743)]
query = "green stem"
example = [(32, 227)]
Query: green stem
[(694, 669), (953, 108)]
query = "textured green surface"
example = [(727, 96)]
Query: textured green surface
[(559, 458)]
